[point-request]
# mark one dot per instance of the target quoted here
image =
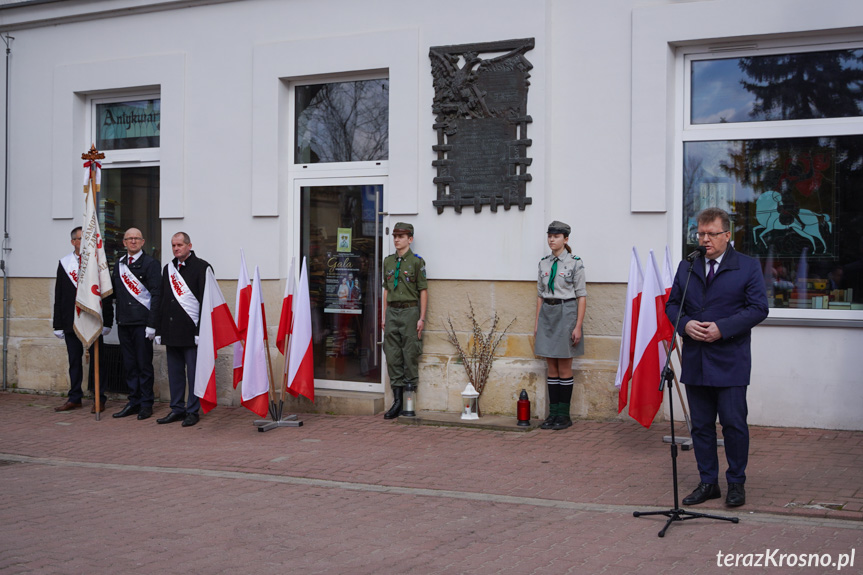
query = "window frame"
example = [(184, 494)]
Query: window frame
[(321, 169), (685, 132), (119, 158)]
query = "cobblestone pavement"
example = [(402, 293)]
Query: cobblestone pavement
[(358, 495)]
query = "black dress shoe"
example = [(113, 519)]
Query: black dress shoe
[(562, 422), (145, 412), (736, 495), (171, 418), (191, 419), (127, 411), (702, 493)]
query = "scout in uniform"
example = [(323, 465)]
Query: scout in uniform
[(404, 309), (560, 306)]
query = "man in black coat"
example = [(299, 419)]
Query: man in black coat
[(183, 280), (137, 286), (65, 292)]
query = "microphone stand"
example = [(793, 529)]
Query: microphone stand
[(676, 513)]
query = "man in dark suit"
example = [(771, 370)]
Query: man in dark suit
[(137, 286), (725, 300), (65, 292), (183, 280)]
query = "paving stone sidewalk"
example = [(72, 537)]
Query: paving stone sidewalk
[(362, 495)]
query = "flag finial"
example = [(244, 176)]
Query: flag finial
[(93, 154)]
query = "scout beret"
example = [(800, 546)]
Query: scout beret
[(557, 227), (403, 228)]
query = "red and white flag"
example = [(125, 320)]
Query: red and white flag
[(301, 373), (256, 380), (287, 318), (646, 398), (627, 337), (241, 312), (217, 330), (666, 328), (94, 278)]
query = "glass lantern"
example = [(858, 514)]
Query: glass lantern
[(469, 398), (409, 400)]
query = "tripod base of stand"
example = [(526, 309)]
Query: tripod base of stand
[(286, 421), (681, 515), (685, 443)]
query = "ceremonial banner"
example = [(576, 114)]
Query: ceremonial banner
[(217, 331), (94, 277)]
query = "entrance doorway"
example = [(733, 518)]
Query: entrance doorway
[(341, 231)]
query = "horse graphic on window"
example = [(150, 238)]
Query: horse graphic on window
[(772, 215)]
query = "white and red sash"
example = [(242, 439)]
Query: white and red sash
[(184, 295), (70, 264), (134, 286)]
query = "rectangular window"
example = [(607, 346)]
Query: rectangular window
[(129, 124), (342, 122), (790, 174), (794, 86)]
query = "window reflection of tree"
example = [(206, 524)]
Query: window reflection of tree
[(343, 122)]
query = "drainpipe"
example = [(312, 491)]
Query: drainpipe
[(6, 249)]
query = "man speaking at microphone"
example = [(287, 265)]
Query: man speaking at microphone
[(725, 300)]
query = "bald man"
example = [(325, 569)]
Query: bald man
[(137, 283)]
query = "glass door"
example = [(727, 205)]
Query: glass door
[(341, 231)]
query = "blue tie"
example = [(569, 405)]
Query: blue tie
[(710, 274)]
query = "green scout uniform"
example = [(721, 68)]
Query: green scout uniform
[(401, 345)]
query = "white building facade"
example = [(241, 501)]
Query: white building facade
[(213, 117)]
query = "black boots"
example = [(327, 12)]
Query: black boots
[(396, 409)]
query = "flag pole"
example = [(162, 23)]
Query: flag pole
[(277, 420), (271, 391)]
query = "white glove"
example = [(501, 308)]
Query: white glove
[(149, 333), (196, 340), (59, 334), (158, 340), (106, 331)]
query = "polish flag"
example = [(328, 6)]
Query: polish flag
[(287, 317), (666, 328), (649, 353), (301, 374), (241, 311), (627, 337), (217, 330), (255, 369)]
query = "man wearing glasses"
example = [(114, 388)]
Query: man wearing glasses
[(137, 283), (725, 300)]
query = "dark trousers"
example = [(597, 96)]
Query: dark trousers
[(75, 351), (705, 403), (137, 353), (181, 364)]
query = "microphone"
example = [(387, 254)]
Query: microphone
[(700, 250)]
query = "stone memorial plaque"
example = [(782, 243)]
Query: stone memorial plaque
[(481, 120)]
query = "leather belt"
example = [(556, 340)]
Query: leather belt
[(402, 304), (552, 301)]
